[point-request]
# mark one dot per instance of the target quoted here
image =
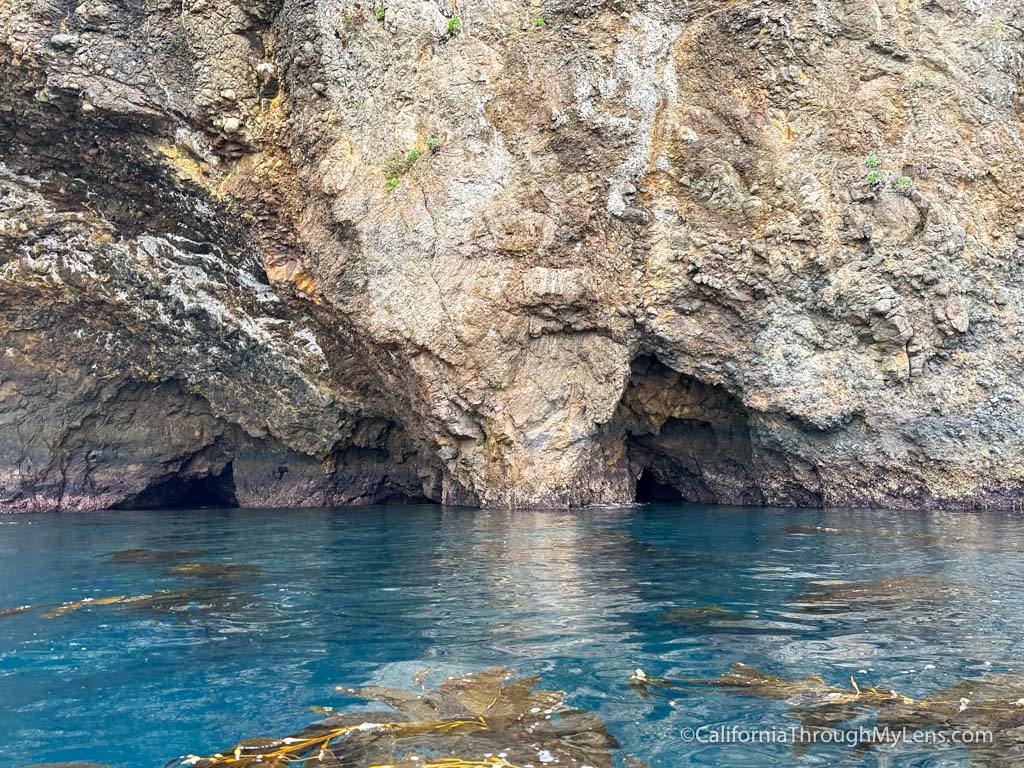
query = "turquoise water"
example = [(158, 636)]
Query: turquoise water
[(371, 595)]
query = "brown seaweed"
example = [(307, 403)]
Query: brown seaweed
[(843, 596), (953, 542), (152, 556), (5, 612), (483, 720), (161, 601), (993, 704), (702, 614), (227, 571)]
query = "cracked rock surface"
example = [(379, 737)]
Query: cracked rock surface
[(556, 252)]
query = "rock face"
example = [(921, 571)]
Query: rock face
[(559, 252)]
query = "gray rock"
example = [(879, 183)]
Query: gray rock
[(64, 41)]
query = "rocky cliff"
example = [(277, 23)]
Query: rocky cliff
[(543, 252)]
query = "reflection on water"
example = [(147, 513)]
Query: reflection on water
[(246, 619)]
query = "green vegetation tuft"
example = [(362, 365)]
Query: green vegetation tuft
[(904, 183), (539, 22), (433, 143), (875, 178), (399, 165), (872, 161), (454, 25), (379, 13)]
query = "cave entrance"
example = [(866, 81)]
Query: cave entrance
[(689, 439), (188, 493), (648, 489)]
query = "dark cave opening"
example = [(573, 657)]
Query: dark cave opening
[(648, 489), (691, 439), (187, 493)]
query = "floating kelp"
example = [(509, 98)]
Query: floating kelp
[(228, 571), (485, 720), (601, 542), (5, 612), (89, 602), (161, 601), (709, 619), (880, 532), (702, 614), (993, 704), (954, 542), (208, 599), (844, 596), (741, 677), (152, 556)]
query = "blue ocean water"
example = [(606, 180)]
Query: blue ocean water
[(371, 595)]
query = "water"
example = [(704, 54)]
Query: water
[(371, 595)]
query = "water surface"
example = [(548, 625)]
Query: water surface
[(371, 595)]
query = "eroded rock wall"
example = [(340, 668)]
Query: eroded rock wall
[(511, 253)]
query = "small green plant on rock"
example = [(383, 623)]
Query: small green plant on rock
[(433, 143), (872, 161), (539, 22), (875, 178), (399, 165), (379, 13), (454, 25), (918, 82), (904, 184)]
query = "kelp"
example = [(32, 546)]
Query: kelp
[(610, 542), (898, 591), (161, 601), (483, 720), (152, 556), (884, 533), (710, 619), (702, 614), (953, 542), (990, 704), (742, 678), (226, 571), (5, 612), (89, 602), (207, 599)]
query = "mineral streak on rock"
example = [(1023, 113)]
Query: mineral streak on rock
[(280, 252)]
